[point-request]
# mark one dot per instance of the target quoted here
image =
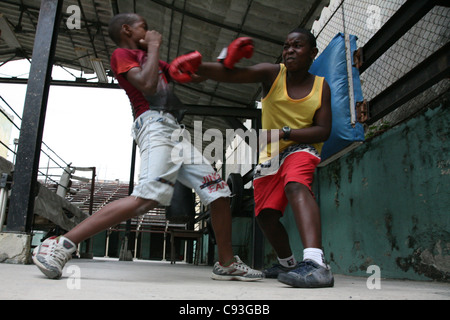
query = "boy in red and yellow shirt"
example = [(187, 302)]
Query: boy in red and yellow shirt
[(296, 106)]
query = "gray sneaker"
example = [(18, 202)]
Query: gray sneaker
[(276, 269), (51, 256), (308, 274), (236, 271)]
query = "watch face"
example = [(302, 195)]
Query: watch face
[(287, 132)]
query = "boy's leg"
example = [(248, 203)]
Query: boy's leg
[(298, 174), (213, 191), (306, 214), (110, 215), (274, 231), (221, 223), (198, 174), (312, 272), (152, 131), (51, 256), (270, 204), (229, 267)]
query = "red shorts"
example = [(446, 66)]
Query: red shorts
[(269, 190)]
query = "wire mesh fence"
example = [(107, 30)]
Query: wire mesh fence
[(363, 18)]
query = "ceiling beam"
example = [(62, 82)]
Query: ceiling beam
[(222, 111), (249, 104), (218, 24)]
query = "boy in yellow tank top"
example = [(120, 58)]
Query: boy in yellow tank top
[(297, 105)]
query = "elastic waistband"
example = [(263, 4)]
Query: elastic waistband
[(148, 115)]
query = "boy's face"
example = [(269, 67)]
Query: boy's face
[(137, 30), (297, 52)]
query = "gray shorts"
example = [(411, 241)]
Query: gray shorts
[(167, 156)]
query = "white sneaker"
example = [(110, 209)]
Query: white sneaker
[(238, 270), (51, 256)]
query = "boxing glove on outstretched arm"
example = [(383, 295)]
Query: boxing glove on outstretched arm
[(240, 48), (183, 68), (190, 68)]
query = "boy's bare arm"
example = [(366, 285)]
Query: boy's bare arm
[(262, 72), (145, 79)]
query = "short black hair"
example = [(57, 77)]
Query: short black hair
[(308, 34), (116, 22)]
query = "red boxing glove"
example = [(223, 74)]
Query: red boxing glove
[(238, 49), (183, 67)]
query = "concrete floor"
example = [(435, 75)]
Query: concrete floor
[(110, 279)]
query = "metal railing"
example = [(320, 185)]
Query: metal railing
[(53, 172)]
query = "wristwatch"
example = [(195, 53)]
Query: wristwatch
[(287, 132)]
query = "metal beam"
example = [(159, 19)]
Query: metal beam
[(212, 94), (68, 83), (406, 17), (20, 216), (218, 111), (429, 72)]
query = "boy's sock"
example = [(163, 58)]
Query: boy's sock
[(229, 262), (288, 262), (314, 254)]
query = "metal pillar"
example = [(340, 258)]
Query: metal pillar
[(5, 185), (125, 252), (258, 236), (20, 215)]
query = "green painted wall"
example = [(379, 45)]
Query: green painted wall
[(387, 203), (242, 238)]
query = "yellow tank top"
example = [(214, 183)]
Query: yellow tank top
[(279, 110)]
